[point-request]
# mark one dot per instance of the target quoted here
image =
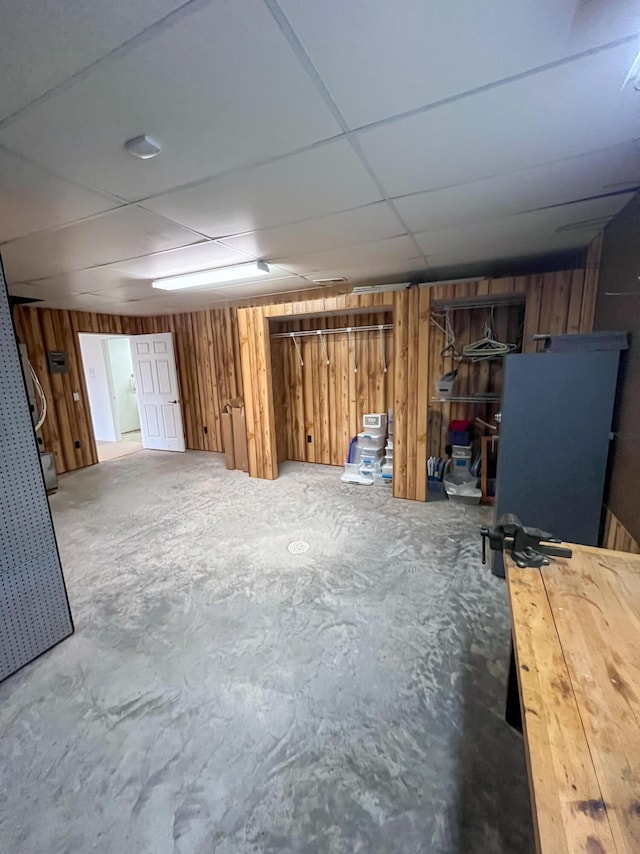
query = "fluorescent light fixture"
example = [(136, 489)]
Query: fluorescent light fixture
[(220, 276)]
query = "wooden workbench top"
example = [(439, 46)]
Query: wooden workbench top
[(576, 634)]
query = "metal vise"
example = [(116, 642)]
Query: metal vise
[(528, 546)]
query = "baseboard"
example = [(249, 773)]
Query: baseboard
[(615, 536)]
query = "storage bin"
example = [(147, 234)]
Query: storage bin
[(435, 489), (459, 437), (382, 480), (367, 442)]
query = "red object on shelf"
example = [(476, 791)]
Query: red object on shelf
[(459, 425)]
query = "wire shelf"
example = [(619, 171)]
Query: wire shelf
[(489, 302), (467, 398)]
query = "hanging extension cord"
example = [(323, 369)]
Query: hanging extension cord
[(43, 400)]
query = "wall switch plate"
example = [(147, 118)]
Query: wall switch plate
[(76, 395)]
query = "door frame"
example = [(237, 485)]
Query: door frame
[(110, 387)]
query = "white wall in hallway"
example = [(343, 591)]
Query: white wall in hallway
[(126, 402), (97, 379)]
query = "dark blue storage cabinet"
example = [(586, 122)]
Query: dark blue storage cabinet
[(557, 410)]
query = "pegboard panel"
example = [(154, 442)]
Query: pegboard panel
[(34, 610)]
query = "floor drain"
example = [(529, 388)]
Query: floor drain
[(297, 547)]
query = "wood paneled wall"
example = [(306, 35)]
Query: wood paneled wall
[(411, 335), (615, 535), (207, 353), (410, 350), (327, 401), (226, 353), (558, 302)]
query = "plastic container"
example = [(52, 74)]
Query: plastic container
[(352, 474), (461, 458), (380, 479), (370, 443), (462, 488), (459, 437), (375, 422)]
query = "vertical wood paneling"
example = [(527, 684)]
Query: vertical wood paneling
[(556, 302), (615, 536), (327, 402), (207, 354), (591, 276)]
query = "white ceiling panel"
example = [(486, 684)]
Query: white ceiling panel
[(23, 289), (123, 233), (43, 43), (93, 280), (219, 89), (320, 181), (539, 231), (573, 109), (82, 302), (186, 259), (381, 252), (373, 222), (257, 289), (550, 184), (381, 58), (32, 200)]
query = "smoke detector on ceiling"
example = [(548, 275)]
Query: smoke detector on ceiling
[(142, 146)]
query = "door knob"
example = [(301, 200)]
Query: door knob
[(173, 401)]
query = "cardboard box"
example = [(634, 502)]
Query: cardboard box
[(227, 440), (235, 411)]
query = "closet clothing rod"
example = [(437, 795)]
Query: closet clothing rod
[(306, 332)]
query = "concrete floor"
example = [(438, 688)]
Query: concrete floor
[(223, 695)]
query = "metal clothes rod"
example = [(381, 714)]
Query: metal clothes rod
[(345, 329)]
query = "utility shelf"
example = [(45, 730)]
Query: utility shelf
[(468, 398)]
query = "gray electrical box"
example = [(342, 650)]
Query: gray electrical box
[(57, 362)]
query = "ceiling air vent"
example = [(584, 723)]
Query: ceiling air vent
[(378, 289), (338, 280)]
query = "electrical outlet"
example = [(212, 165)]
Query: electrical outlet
[(76, 444), (76, 395), (309, 439), (205, 429)]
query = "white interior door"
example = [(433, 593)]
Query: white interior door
[(154, 366)]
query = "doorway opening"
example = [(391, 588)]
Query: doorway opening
[(113, 399)]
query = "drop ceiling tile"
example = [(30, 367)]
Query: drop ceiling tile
[(123, 233), (569, 110), (93, 280), (82, 302), (320, 181), (219, 89), (256, 289), (380, 59), (23, 289), (544, 231), (186, 259), (554, 183), (382, 251), (44, 43), (32, 200), (373, 222), (135, 289)]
